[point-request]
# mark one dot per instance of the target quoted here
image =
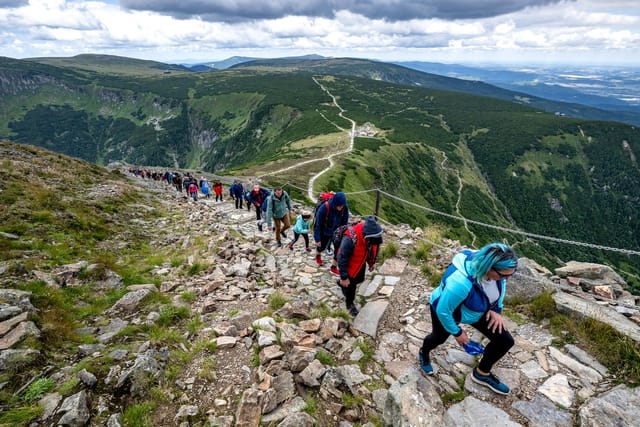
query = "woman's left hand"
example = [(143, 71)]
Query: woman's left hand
[(496, 324)]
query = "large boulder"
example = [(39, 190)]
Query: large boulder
[(529, 282)]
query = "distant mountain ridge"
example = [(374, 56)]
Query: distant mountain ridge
[(545, 83)]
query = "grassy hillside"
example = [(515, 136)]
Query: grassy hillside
[(493, 161), (111, 64)]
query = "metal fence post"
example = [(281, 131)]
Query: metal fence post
[(377, 210)]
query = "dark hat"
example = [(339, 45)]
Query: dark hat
[(371, 228)]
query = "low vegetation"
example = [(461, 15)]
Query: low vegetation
[(620, 354)]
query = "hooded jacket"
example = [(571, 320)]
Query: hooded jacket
[(277, 207), (356, 251), (328, 218), (457, 289)]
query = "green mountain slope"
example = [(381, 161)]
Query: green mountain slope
[(492, 161), (406, 76), (111, 64)]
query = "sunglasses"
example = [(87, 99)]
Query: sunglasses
[(504, 276)]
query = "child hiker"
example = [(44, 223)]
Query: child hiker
[(301, 228)]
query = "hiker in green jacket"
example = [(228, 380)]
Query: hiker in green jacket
[(278, 210)]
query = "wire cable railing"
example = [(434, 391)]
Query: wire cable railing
[(380, 192)]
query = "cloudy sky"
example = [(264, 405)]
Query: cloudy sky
[(579, 32)]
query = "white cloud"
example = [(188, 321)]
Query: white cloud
[(367, 28)]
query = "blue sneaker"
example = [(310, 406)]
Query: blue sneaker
[(490, 381), (426, 367)]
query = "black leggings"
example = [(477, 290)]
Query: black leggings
[(296, 236), (499, 345), (350, 291)]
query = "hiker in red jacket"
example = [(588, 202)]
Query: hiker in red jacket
[(217, 189), (357, 249)]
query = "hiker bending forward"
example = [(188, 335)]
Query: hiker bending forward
[(471, 292), (357, 249)]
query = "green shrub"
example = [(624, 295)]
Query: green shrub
[(277, 300), (543, 307), (38, 389), (20, 416), (170, 315), (388, 250), (138, 415), (310, 406), (325, 358)]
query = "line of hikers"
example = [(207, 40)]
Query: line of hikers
[(470, 292)]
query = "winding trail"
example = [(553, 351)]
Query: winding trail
[(329, 157), (445, 159)]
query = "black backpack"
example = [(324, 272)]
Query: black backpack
[(339, 233)]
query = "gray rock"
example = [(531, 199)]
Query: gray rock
[(75, 410), (107, 333), (413, 400), (557, 389), (15, 297), (87, 378), (619, 406), (472, 412), (18, 333), (311, 375), (581, 307), (49, 403), (130, 301), (11, 360), (249, 410), (85, 350), (296, 404), (529, 282), (186, 412), (8, 311), (298, 419), (114, 421), (138, 378), (542, 412), (588, 270), (369, 317), (222, 421)]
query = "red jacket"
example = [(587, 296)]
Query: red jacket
[(217, 188), (352, 258)]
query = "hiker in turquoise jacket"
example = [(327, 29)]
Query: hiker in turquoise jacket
[(278, 210), (471, 292)]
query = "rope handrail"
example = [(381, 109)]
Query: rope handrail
[(492, 226), (510, 230)]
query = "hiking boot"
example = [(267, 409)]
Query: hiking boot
[(318, 260), (290, 246), (279, 244), (335, 270), (308, 249), (260, 226), (490, 381), (353, 310), (283, 234), (329, 251), (426, 367)]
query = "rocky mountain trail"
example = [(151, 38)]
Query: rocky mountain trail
[(249, 334)]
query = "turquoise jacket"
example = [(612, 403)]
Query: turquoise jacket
[(458, 290), (302, 226), (277, 208)]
